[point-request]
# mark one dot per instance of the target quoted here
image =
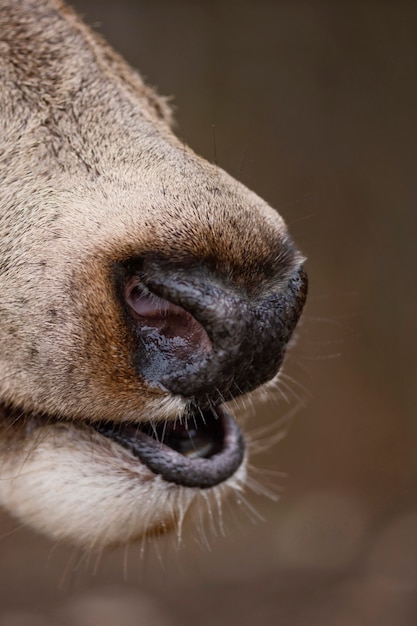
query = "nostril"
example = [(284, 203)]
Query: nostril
[(149, 305), (198, 334), (158, 318)]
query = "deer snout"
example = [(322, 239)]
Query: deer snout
[(200, 335)]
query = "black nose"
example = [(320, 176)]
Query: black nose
[(201, 336)]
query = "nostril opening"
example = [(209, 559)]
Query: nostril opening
[(168, 320), (146, 304)]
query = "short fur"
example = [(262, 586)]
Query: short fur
[(91, 174)]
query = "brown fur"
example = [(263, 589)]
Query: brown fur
[(92, 174)]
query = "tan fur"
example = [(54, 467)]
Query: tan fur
[(91, 174)]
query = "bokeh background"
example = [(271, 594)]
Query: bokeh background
[(314, 106)]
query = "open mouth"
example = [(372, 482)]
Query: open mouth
[(200, 451)]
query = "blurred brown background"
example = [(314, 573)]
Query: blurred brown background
[(314, 106)]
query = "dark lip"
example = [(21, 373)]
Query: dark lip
[(201, 451)]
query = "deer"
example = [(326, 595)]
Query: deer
[(142, 290)]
